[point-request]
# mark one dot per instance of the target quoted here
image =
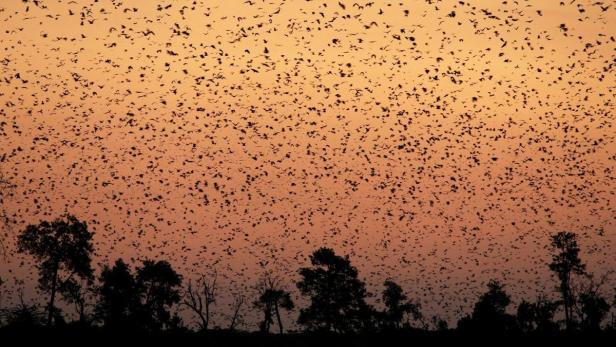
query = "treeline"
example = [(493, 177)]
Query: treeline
[(146, 299)]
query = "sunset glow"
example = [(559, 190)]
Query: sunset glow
[(438, 143)]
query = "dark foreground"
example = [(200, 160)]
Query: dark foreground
[(96, 336)]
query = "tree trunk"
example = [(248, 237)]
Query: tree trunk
[(567, 302), (50, 308), (278, 317), (267, 318), (82, 311), (203, 321), (236, 313), (206, 320), (233, 319)]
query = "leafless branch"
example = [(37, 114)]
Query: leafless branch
[(200, 298), (236, 306)]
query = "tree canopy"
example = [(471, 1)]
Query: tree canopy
[(490, 311), (337, 296), (63, 250), (565, 263)]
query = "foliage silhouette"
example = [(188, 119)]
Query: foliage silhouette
[(337, 296), (489, 313), (272, 298), (22, 316), (397, 306), (77, 294), (159, 289), (591, 306), (537, 316), (142, 302), (594, 309), (440, 324), (118, 297), (61, 248), (565, 263)]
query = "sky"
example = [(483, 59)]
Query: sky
[(437, 143)]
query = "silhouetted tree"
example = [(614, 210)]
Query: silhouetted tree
[(272, 298), (397, 306), (489, 313), (337, 296), (159, 287), (526, 316), (118, 297), (23, 316), (63, 250), (594, 309), (565, 263), (236, 309), (537, 316), (199, 299), (591, 306), (77, 294), (439, 323), (140, 301)]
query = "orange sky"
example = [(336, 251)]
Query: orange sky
[(439, 146)]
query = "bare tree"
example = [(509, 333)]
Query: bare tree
[(200, 298), (236, 307)]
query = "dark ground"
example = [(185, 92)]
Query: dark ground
[(95, 337)]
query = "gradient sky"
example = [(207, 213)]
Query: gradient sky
[(437, 143)]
